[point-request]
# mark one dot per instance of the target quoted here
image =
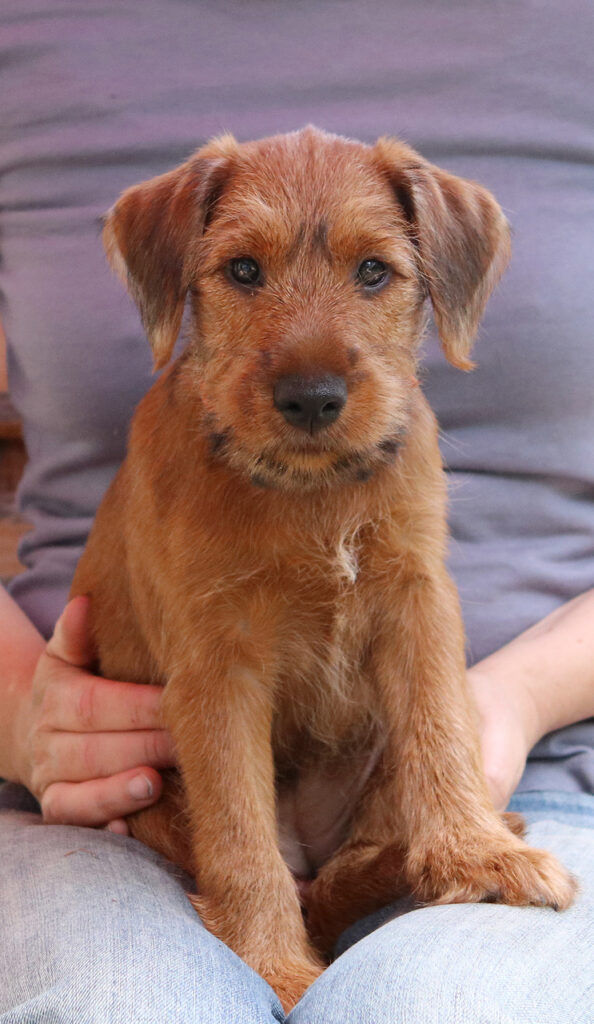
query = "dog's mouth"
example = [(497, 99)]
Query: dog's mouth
[(308, 466)]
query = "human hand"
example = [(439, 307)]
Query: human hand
[(508, 728), (89, 747)]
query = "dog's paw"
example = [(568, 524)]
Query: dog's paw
[(358, 880), (514, 822), (291, 979), (497, 871)]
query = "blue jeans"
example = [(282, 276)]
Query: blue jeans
[(96, 929)]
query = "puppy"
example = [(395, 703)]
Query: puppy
[(272, 549)]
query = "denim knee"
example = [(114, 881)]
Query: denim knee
[(97, 929), (479, 963)]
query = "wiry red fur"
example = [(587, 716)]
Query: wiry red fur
[(289, 590)]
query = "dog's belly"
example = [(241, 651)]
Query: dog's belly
[(327, 729), (314, 810)]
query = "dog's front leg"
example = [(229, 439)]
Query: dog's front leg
[(458, 849), (220, 714), (426, 819)]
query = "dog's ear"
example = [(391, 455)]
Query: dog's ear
[(150, 237), (462, 240)]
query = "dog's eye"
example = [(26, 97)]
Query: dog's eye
[(372, 274), (245, 271)]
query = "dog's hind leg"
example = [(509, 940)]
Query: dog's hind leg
[(365, 874), (165, 826)]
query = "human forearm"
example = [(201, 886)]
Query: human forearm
[(20, 648), (542, 680), (553, 664)]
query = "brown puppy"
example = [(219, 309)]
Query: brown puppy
[(272, 549)]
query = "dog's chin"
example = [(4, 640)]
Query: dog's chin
[(306, 470)]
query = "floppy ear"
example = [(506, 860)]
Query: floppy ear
[(462, 239), (150, 237)]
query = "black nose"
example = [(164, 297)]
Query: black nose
[(310, 403)]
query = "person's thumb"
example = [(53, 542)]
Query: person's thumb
[(72, 641)]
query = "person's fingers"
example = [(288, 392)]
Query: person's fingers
[(118, 826), (72, 641), (79, 757), (97, 802), (76, 701)]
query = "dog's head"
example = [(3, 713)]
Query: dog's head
[(308, 259)]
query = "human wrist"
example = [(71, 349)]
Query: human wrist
[(20, 648), (506, 677), (13, 762)]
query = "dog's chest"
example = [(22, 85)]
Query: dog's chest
[(324, 644), (327, 731), (327, 722)]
